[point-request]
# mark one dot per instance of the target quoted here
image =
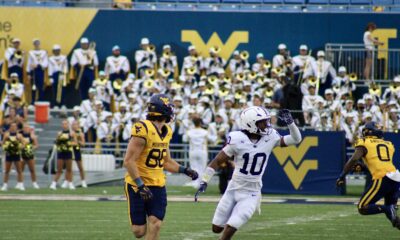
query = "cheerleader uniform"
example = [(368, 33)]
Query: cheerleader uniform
[(28, 139), (13, 156), (77, 151), (64, 151)]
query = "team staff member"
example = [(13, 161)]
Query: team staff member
[(146, 158), (64, 143), (80, 142), (377, 154), (30, 143), (12, 146)]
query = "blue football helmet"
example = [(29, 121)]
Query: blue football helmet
[(160, 105), (372, 129)]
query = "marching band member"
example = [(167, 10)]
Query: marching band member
[(322, 70), (14, 60), (117, 66), (104, 90), (76, 117), (64, 141), (343, 83), (204, 109), (218, 130), (238, 63), (85, 66), (94, 119), (128, 127), (324, 123), (309, 102), (371, 107), (105, 131), (261, 67), (228, 113), (393, 122), (330, 103), (13, 83), (282, 59), (360, 109), (169, 61), (301, 62), (38, 63), (198, 139), (58, 69), (194, 61), (145, 57), (30, 143), (87, 105), (12, 146), (120, 119), (76, 147), (393, 91), (349, 108), (214, 63), (348, 125)]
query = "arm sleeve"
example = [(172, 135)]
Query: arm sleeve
[(294, 137)]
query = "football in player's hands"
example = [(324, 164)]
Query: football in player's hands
[(191, 173), (145, 193), (285, 116)]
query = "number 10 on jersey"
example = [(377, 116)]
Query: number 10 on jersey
[(257, 157)]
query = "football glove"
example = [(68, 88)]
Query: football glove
[(145, 193), (202, 188), (191, 173), (285, 116)]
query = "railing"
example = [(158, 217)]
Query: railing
[(385, 62)]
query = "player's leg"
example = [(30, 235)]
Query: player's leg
[(60, 165), (18, 168), (223, 211), (6, 175), (136, 212), (391, 199), (247, 204), (156, 212), (31, 166)]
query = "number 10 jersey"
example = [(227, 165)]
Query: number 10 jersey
[(250, 158), (151, 161)]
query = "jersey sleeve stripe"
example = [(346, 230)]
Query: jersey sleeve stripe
[(145, 126)]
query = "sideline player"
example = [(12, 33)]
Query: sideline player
[(377, 154), (146, 158), (250, 148)]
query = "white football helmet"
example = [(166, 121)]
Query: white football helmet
[(250, 116)]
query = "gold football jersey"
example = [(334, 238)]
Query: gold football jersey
[(151, 161), (379, 156)]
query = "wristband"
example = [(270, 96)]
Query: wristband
[(208, 174), (181, 169), (139, 182)]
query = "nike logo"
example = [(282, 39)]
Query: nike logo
[(253, 195)]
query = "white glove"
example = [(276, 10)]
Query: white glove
[(51, 80)]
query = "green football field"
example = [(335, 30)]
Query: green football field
[(185, 220)]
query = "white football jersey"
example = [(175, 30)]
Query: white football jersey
[(250, 158)]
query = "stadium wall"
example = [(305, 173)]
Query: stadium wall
[(255, 32)]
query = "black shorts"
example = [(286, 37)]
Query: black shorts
[(380, 188), (13, 158), (138, 209), (64, 155), (77, 155)]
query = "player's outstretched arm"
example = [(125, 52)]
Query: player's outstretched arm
[(295, 135), (135, 148), (357, 155), (172, 166), (221, 158)]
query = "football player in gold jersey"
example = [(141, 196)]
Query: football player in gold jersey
[(377, 155), (146, 159)]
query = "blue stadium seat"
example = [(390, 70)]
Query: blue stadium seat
[(317, 8), (395, 9), (232, 1), (165, 6), (208, 1), (253, 1), (208, 7), (186, 7), (382, 2), (250, 7), (271, 8), (228, 7), (318, 2), (139, 5), (360, 2), (273, 1), (168, 1), (337, 8), (359, 9), (341, 2), (295, 1), (292, 8)]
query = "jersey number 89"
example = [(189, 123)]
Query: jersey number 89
[(155, 158)]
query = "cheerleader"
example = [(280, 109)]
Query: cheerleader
[(30, 143), (80, 142), (64, 142), (12, 146)]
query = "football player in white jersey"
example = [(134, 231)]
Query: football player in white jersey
[(250, 148)]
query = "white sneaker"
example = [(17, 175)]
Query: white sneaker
[(5, 187), (35, 185), (53, 186), (18, 186), (71, 186), (21, 187), (65, 184), (84, 185)]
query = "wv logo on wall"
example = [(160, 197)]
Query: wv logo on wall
[(311, 167)]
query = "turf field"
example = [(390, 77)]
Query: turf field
[(108, 220)]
